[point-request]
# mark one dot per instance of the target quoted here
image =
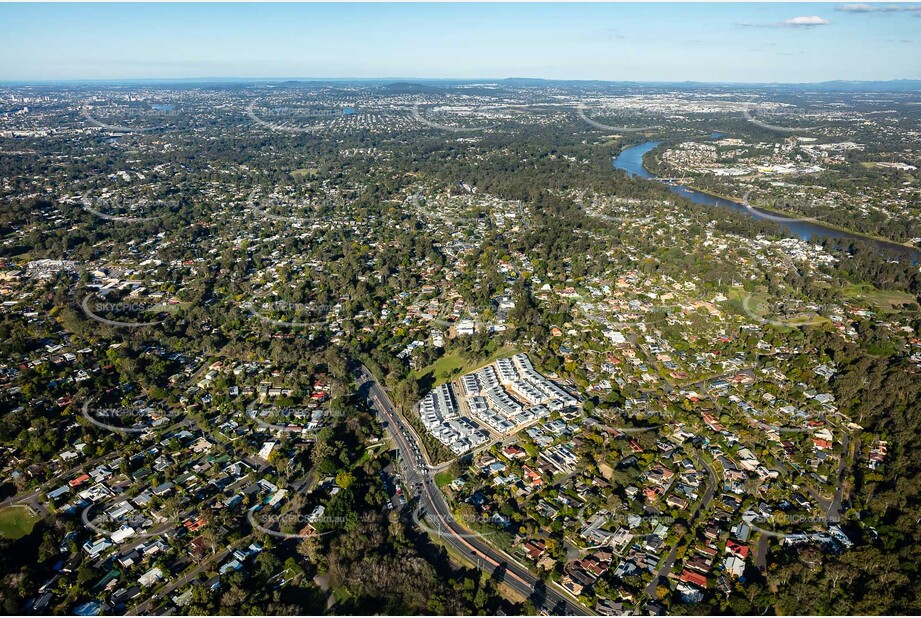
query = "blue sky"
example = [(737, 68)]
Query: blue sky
[(649, 42)]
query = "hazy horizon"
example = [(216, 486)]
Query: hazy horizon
[(710, 43), (394, 79)]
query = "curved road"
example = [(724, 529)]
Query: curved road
[(546, 596), (666, 567)]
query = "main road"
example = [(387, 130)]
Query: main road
[(545, 595)]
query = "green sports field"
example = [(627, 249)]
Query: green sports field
[(16, 522)]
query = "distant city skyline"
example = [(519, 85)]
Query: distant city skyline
[(753, 43)]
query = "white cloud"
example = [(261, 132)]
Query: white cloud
[(878, 8), (864, 8), (805, 21), (810, 21)]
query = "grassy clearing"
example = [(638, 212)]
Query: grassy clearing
[(300, 174), (16, 522), (444, 367), (884, 300), (451, 365), (758, 306), (756, 301), (443, 478)]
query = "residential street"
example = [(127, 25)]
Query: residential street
[(666, 567)]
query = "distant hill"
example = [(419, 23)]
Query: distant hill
[(894, 85), (396, 85), (410, 88)]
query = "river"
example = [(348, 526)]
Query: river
[(631, 161)]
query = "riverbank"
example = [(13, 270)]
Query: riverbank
[(798, 217), (632, 160)]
